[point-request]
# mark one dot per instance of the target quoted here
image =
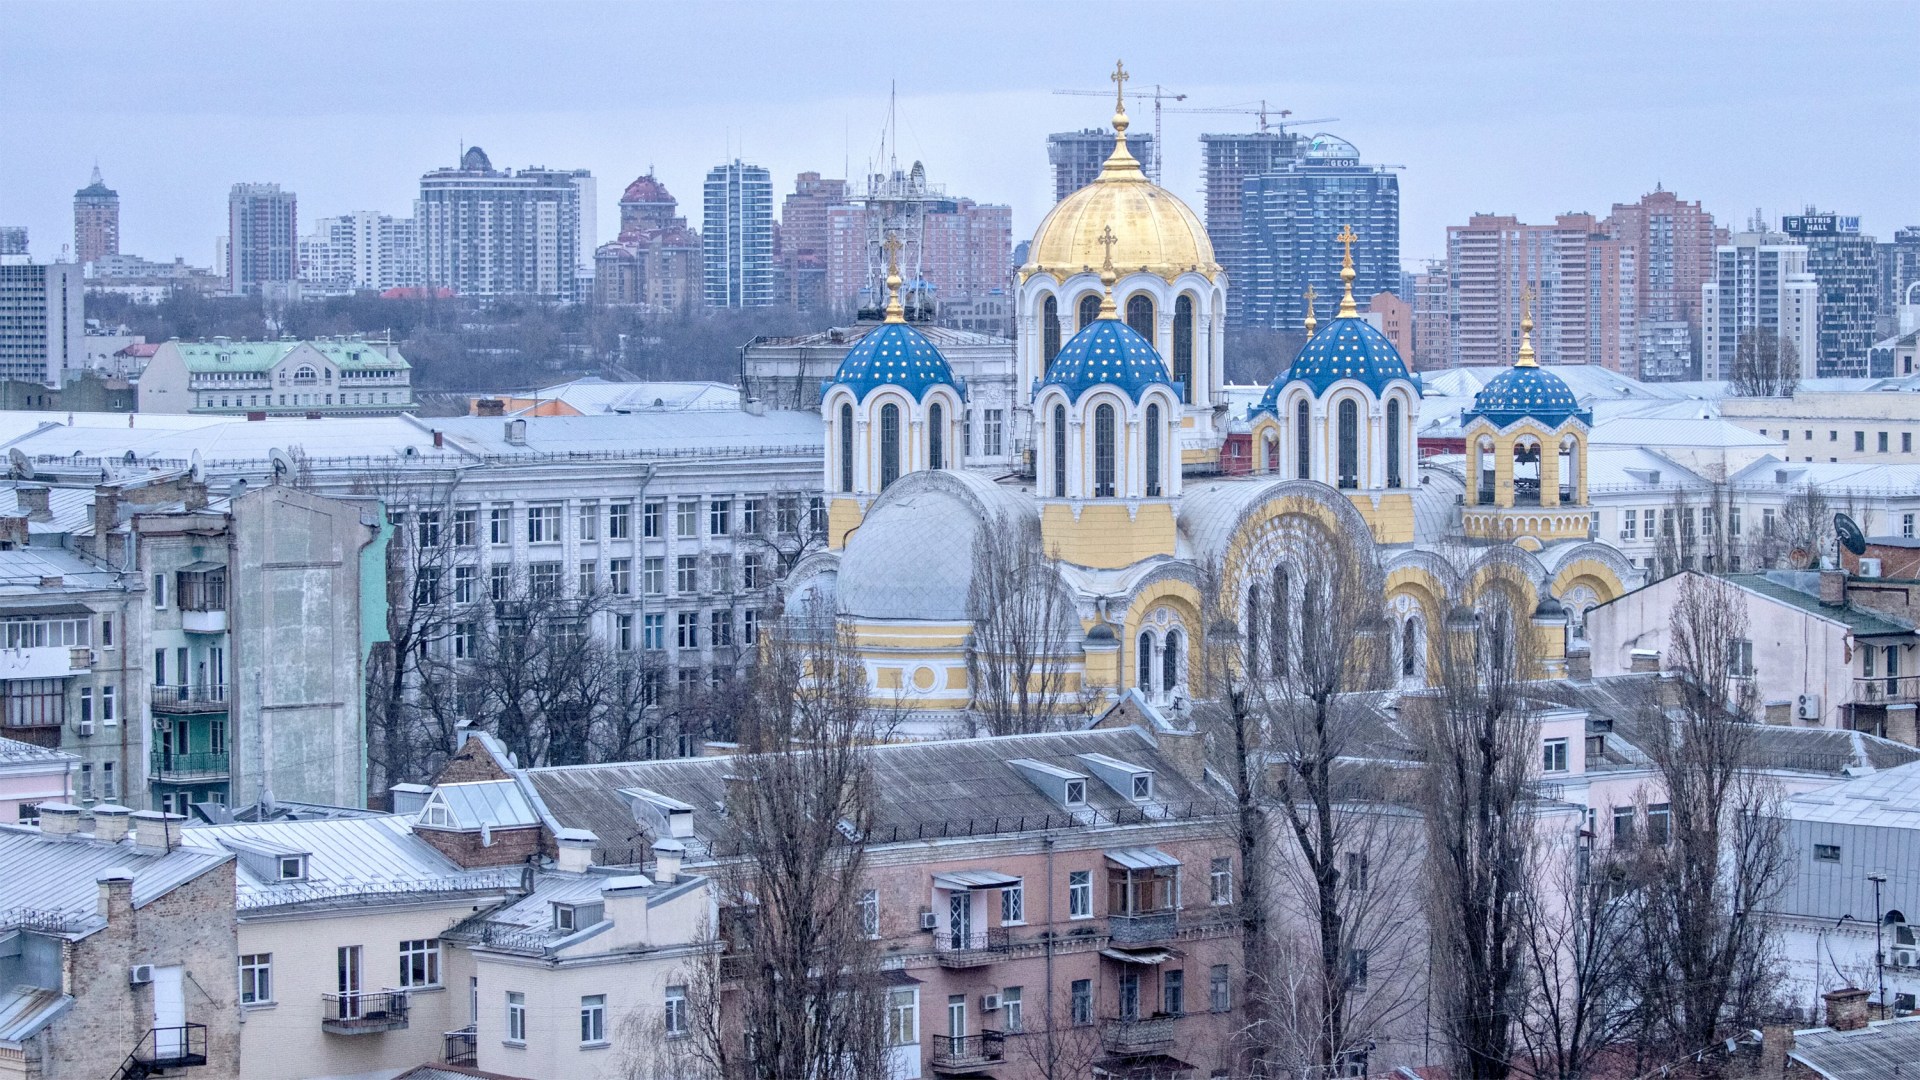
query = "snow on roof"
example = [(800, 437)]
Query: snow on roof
[(1889, 798)]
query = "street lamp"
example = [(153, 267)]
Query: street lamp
[(1879, 923)]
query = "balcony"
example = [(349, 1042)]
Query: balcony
[(168, 767), (45, 662), (164, 1049), (364, 1013), (1146, 928), (462, 1046), (966, 1053), (186, 700), (973, 950), (1887, 690), (208, 621), (1137, 1036)]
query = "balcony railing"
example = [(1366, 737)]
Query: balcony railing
[(1146, 928), (972, 950), (163, 1049), (969, 1051), (462, 1046), (165, 765), (1123, 1035), (363, 1012), (1887, 688), (189, 699)]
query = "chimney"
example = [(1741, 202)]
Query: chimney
[(489, 406), (116, 893), (1644, 661), (1187, 751), (755, 406), (106, 509), (194, 495), (110, 822), (156, 833), (517, 432), (1846, 1009), (439, 439), (1833, 588), (59, 819), (576, 850), (666, 860), (409, 798), (34, 501)]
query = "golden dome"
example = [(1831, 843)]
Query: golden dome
[(1157, 232)]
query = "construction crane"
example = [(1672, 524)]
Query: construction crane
[(1260, 110), (1159, 94)]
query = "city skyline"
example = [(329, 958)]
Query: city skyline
[(1606, 117)]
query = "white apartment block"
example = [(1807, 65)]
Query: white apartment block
[(362, 250), (1760, 283), (42, 324), (488, 232)]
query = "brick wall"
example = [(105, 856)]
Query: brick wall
[(510, 847)]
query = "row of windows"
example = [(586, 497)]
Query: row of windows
[(419, 968), (723, 515), (692, 575), (593, 1017), (903, 1006), (1139, 316), (1881, 441), (1347, 443), (992, 440)]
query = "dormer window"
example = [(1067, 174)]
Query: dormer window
[(1142, 787), (1076, 793), (564, 918), (435, 813), (293, 868)]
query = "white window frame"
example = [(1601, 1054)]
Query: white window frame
[(593, 1020), (1555, 757), (1220, 881), (1080, 894), (424, 954), (516, 1018), (256, 973), (869, 904), (1013, 904), (674, 1016)]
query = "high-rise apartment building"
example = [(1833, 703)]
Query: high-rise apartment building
[(362, 250), (1760, 284), (1494, 259), (738, 236), (96, 221), (13, 239), (961, 254), (42, 320), (1431, 293), (1673, 241), (1899, 270), (1076, 156), (1288, 221), (263, 239), (492, 232), (655, 262), (1226, 162), (1846, 266), (803, 239)]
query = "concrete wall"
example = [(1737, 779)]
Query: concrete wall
[(164, 382)]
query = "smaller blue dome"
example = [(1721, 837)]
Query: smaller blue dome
[(1107, 352), (1349, 348), (1527, 393), (894, 354)]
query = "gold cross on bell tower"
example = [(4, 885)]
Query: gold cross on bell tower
[(1108, 275), (1347, 239), (896, 312), (1526, 357), (1310, 297)]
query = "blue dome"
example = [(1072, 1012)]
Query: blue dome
[(1107, 352), (894, 354), (1527, 392)]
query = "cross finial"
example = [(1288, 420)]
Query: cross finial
[(1108, 276), (1347, 274), (1119, 78), (1106, 240), (896, 312), (1311, 321)]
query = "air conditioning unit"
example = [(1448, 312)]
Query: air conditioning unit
[(989, 1002), (1869, 567), (1807, 707), (140, 974), (1905, 958), (86, 728), (929, 921)]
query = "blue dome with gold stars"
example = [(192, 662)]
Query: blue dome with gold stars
[(1349, 348), (1107, 352), (1527, 392), (894, 354)]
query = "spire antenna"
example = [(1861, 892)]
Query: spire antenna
[(1347, 239)]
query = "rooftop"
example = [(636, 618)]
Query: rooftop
[(347, 860), (56, 878), (1881, 1049), (1886, 798), (1801, 589)]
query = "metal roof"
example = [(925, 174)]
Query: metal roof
[(1142, 858), (973, 879), (15, 752), (62, 873), (1875, 1052), (346, 858), (497, 804), (24, 1010), (1786, 586), (1888, 799)]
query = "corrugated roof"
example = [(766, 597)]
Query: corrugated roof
[(346, 857), (62, 874), (1879, 1050), (24, 1010), (15, 752)]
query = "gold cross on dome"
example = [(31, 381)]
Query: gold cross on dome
[(1348, 238), (1106, 239), (892, 247), (1119, 78)]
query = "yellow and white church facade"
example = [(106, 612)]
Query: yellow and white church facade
[(1122, 309)]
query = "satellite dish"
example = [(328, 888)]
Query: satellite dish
[(1851, 537), (195, 469), (282, 462), (22, 468)]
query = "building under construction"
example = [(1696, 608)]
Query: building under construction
[(1076, 157), (1226, 162)]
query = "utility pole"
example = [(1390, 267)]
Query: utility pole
[(1879, 924)]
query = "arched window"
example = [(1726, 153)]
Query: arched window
[(1143, 677), (1089, 309), (1526, 473), (1140, 314), (846, 448), (1349, 444), (1153, 451), (1409, 647), (1570, 469), (1254, 617), (305, 374), (1170, 662), (1486, 463), (1103, 451), (1059, 451), (936, 436), (889, 444), (1049, 332), (1183, 346), (1279, 636), (1302, 442), (1393, 443)]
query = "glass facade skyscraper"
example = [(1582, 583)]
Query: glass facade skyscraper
[(1289, 219), (738, 237)]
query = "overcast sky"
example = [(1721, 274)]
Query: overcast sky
[(1533, 108)]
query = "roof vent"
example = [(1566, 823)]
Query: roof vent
[(516, 432)]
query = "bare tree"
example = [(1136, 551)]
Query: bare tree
[(1480, 741), (1020, 616), (1764, 365), (1806, 526), (698, 1048), (1061, 1049), (1582, 949), (800, 806), (1708, 953)]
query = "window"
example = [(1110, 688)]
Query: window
[(1080, 894), (936, 436), (1906, 442), (159, 591), (620, 576), (1302, 442), (1826, 852), (653, 575), (1766, 521), (420, 962), (1623, 824), (543, 524), (1733, 521), (651, 520), (256, 978), (720, 517), (1906, 525), (1357, 968), (686, 517), (1140, 315), (1393, 443), (903, 1014), (543, 580), (749, 627), (500, 525), (1153, 451), (686, 574), (1082, 1002), (720, 629), (292, 867), (499, 581), (1883, 442), (463, 584), (687, 630), (1183, 347), (564, 918), (1103, 452), (1220, 881), (1075, 793), (751, 518), (86, 781), (1049, 332), (1143, 669), (1219, 989), (466, 640), (816, 515), (1666, 522), (1010, 1009), (623, 632), (106, 632), (1089, 309), (846, 448), (653, 631), (107, 789), (1859, 442), (584, 583), (993, 427), (1170, 662), (1659, 819), (1059, 451), (1142, 786), (870, 913), (1740, 658), (1553, 757), (676, 1012), (516, 1017), (720, 574), (1173, 993), (1833, 436), (1013, 904), (1628, 518), (464, 527), (1349, 431), (750, 571)]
